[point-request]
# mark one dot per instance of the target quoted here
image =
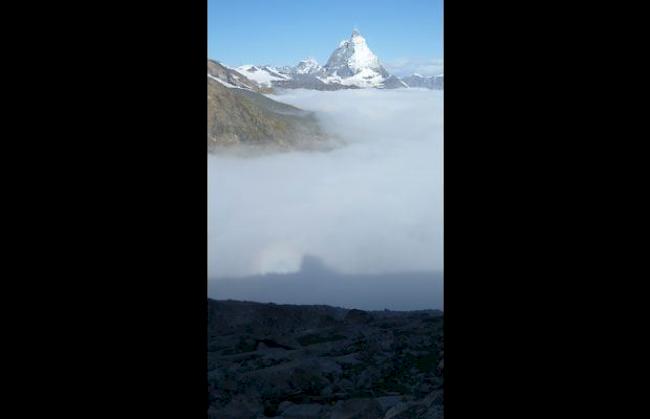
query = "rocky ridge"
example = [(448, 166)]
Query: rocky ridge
[(243, 117)]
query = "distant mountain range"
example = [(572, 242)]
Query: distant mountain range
[(418, 80), (352, 65)]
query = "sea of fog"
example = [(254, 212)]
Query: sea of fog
[(372, 206)]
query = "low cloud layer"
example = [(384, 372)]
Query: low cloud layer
[(371, 206)]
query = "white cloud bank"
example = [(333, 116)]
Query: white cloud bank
[(371, 206)]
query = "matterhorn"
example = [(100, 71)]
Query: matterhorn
[(354, 64)]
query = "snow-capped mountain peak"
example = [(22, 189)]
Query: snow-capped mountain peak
[(308, 66), (354, 64), (356, 37), (352, 56)]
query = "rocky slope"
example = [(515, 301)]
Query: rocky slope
[(298, 362), (244, 117)]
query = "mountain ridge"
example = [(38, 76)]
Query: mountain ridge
[(352, 65), (242, 116)]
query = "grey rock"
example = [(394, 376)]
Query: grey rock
[(284, 406), (357, 409), (397, 410), (262, 364), (326, 391), (346, 384), (386, 402), (303, 411)]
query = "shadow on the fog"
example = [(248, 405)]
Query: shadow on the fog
[(317, 284)]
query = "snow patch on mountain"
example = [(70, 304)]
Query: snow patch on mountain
[(364, 78), (225, 83), (229, 77), (229, 85), (264, 76)]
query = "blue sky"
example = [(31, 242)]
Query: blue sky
[(406, 35)]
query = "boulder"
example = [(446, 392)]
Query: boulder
[(284, 406), (357, 409), (303, 411), (386, 402)]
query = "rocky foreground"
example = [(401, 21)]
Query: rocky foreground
[(299, 362)]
